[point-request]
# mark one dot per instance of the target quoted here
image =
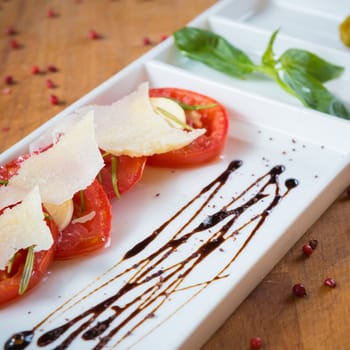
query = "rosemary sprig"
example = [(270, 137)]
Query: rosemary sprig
[(187, 107), (27, 271), (10, 263), (114, 176), (174, 119)]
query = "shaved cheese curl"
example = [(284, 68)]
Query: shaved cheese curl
[(132, 127), (67, 167), (23, 226)]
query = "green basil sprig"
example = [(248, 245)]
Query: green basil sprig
[(299, 72)]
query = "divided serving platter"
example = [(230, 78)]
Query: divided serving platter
[(216, 267)]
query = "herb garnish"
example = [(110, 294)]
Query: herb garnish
[(27, 271), (114, 176), (187, 107), (299, 72), (4, 182), (173, 118)]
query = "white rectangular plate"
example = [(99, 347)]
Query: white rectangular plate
[(183, 297)]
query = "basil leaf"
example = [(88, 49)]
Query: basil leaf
[(214, 51), (268, 58), (313, 94), (310, 64)]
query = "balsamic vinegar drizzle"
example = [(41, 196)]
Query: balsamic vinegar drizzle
[(147, 284)]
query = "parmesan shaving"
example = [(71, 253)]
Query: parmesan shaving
[(67, 167), (132, 127), (23, 226)]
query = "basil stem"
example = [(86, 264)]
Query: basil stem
[(299, 72), (173, 118), (114, 176), (27, 271)]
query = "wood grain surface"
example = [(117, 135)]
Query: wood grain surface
[(129, 28)]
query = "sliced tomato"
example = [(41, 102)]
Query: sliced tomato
[(128, 173), (206, 147), (80, 236), (10, 282)]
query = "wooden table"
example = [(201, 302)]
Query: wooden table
[(58, 33)]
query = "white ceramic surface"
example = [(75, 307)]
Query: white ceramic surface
[(267, 129)]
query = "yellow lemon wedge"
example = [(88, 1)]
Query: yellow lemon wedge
[(172, 108), (344, 30), (61, 213)]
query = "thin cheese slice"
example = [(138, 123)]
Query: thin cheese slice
[(132, 127), (66, 168), (23, 226)]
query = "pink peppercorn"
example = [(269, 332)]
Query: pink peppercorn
[(146, 41), (52, 68), (8, 80), (330, 282), (10, 31), (94, 35), (14, 44), (50, 84), (163, 37), (299, 290), (54, 100), (35, 70), (307, 249), (255, 343), (51, 13)]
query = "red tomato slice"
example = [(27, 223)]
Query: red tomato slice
[(129, 172), (10, 283), (84, 237), (206, 147)]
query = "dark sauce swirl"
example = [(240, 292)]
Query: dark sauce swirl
[(157, 282)]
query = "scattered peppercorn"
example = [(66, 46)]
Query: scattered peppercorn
[(299, 290), (94, 35), (10, 31), (8, 80), (146, 41), (330, 282), (14, 44), (307, 249), (255, 343), (164, 37), (51, 13), (35, 70), (54, 100), (52, 69), (50, 84)]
